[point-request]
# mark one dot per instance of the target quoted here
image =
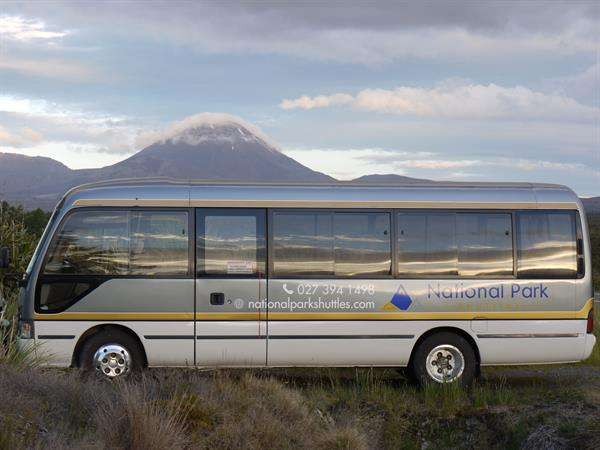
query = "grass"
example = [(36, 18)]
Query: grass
[(293, 408)]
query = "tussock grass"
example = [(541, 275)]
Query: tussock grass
[(10, 353), (293, 408), (132, 417)]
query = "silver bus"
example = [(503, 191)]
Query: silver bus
[(439, 278)]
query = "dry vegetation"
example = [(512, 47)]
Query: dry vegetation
[(534, 408), (299, 408)]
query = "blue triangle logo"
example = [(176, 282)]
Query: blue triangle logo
[(401, 299)]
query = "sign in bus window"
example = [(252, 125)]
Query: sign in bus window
[(230, 242)]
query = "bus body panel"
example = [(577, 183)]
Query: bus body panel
[(390, 343), (244, 345), (532, 341), (383, 299), (139, 296), (166, 343), (220, 339), (342, 343), (328, 349)]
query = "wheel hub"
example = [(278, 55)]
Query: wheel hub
[(445, 363), (112, 360)]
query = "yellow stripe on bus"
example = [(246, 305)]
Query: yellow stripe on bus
[(120, 316), (289, 316)]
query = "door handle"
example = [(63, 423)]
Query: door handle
[(217, 298)]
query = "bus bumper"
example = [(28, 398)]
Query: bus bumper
[(43, 352), (590, 341)]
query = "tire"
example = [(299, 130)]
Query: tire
[(444, 357), (111, 354)]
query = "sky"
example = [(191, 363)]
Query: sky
[(462, 90)]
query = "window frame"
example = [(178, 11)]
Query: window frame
[(271, 248), (261, 251)]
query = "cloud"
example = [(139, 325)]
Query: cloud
[(65, 123), (437, 164), (104, 138), (75, 155), (25, 136), (21, 36), (442, 166), (51, 110), (320, 101), (183, 130), (434, 160), (22, 29), (452, 101), (48, 68), (378, 33), (584, 85)]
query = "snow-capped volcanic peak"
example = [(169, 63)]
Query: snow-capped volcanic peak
[(214, 128)]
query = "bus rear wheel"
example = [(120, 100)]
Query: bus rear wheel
[(110, 354), (444, 358)]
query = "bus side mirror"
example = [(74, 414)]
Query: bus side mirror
[(4, 257)]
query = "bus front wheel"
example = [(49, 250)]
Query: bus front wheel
[(444, 357), (111, 354)]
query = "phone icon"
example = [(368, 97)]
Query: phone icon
[(287, 291)]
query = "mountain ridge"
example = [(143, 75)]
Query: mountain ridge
[(42, 190), (204, 146)]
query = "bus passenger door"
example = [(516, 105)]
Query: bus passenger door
[(230, 287)]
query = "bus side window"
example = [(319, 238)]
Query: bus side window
[(485, 245), (159, 243), (90, 243), (93, 246), (230, 242), (454, 244), (427, 244), (362, 244), (303, 244), (547, 244), (332, 244)]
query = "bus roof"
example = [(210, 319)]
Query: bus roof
[(181, 193)]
